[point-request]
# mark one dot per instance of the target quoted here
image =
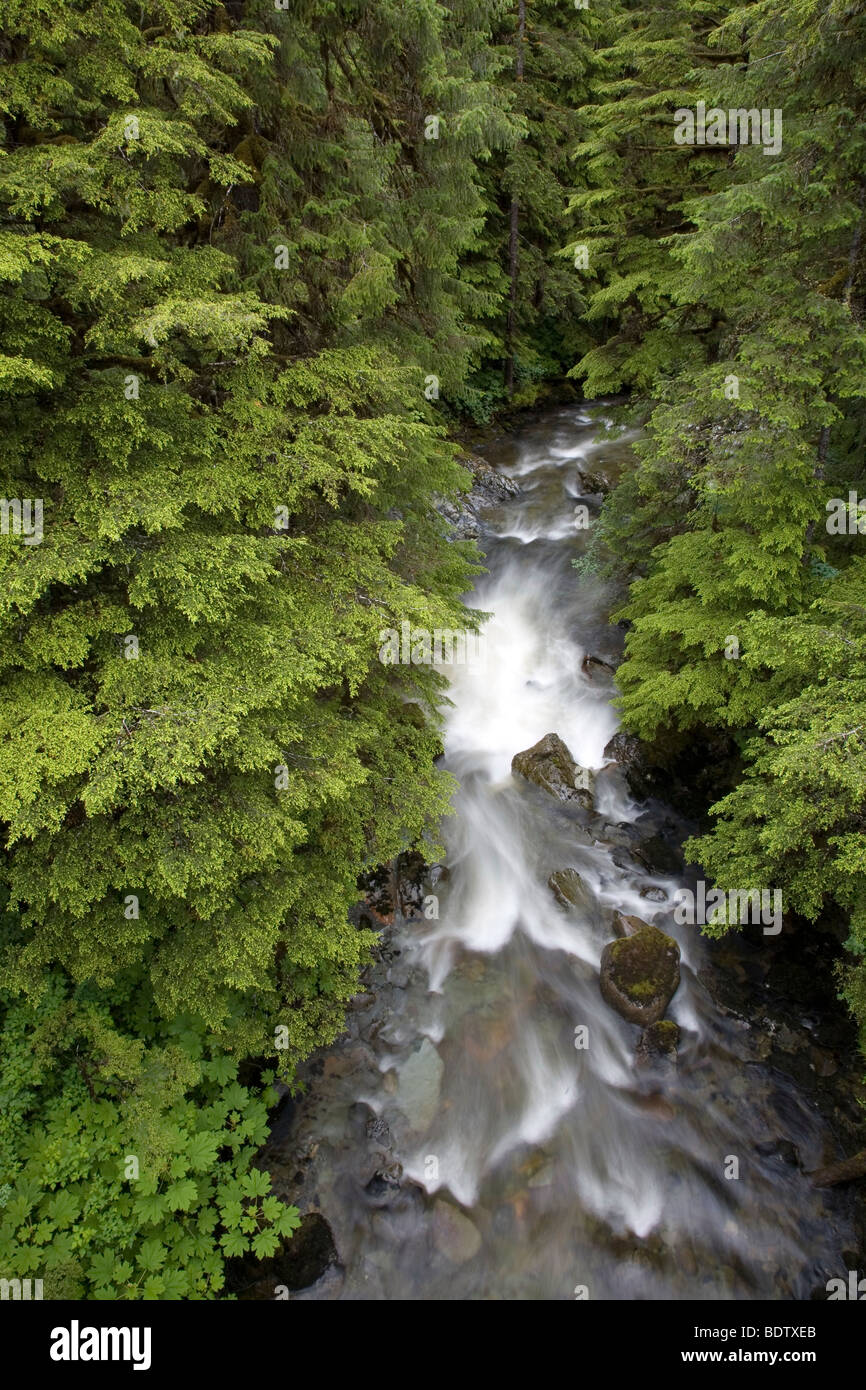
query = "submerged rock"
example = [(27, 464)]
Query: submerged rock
[(568, 888), (657, 856), (658, 1043), (594, 666), (655, 895), (640, 974), (454, 1235), (418, 1085), (550, 766)]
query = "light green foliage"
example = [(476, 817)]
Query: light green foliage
[(238, 467), (228, 259)]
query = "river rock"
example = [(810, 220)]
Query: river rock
[(624, 925), (595, 482), (628, 752), (544, 1177), (490, 488), (658, 1043), (594, 666), (384, 1182), (568, 888), (418, 1085), (653, 894), (550, 766), (622, 836), (640, 974), (657, 856), (454, 1235)]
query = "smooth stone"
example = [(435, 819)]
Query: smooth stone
[(418, 1085), (454, 1235)]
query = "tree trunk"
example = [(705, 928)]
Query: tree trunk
[(512, 297)]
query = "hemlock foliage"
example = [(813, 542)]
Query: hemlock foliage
[(221, 300), (738, 315)]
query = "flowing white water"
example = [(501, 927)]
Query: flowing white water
[(573, 1166)]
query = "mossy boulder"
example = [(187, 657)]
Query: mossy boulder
[(550, 766), (640, 974)]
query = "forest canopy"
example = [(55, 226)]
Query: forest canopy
[(259, 262)]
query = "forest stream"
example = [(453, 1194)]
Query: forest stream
[(484, 1129)]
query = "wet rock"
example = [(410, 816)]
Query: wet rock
[(823, 1063), (341, 1063), (623, 835), (569, 888), (658, 1043), (657, 856), (490, 488), (544, 1176), (789, 1153), (640, 974), (550, 766), (594, 667), (418, 1085), (627, 926), (454, 1235), (363, 1001), (377, 1129), (462, 517), (629, 753), (654, 895), (385, 1182), (595, 483)]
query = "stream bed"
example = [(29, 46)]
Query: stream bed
[(484, 1129)]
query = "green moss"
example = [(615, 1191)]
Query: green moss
[(642, 962), (642, 989), (666, 1033)]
